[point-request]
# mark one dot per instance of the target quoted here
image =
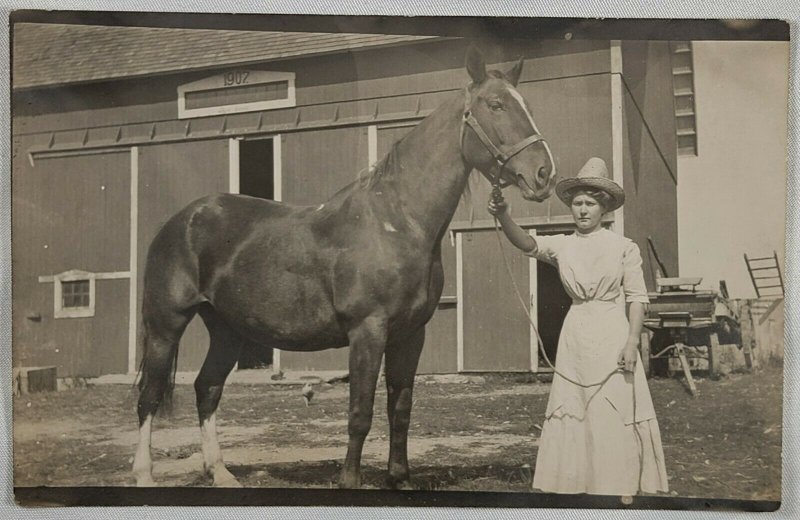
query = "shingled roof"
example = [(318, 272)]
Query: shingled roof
[(55, 54)]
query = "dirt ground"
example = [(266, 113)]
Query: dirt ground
[(479, 435)]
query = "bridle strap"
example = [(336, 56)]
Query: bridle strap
[(500, 155)]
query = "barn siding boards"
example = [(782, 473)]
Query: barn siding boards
[(78, 347), (170, 177), (63, 206), (61, 211), (650, 153), (647, 75), (316, 164), (496, 331)]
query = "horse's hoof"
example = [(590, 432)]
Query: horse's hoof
[(349, 483), (145, 481), (401, 484), (224, 478), (227, 483)]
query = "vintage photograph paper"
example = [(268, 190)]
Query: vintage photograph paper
[(283, 259)]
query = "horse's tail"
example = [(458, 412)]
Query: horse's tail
[(165, 390)]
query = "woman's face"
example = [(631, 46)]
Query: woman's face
[(586, 211)]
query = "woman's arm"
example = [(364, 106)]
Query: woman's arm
[(635, 319), (516, 235)]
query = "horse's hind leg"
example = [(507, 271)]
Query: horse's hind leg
[(401, 367), (162, 333), (222, 355)]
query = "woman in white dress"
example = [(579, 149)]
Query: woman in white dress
[(603, 439)]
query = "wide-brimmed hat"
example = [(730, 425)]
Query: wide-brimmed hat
[(593, 174)]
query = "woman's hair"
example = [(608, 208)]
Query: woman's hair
[(602, 197)]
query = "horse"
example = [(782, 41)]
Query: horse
[(362, 270)]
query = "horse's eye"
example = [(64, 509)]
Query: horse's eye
[(496, 106)]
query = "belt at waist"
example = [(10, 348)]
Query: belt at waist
[(604, 303)]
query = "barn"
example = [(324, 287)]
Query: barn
[(116, 128)]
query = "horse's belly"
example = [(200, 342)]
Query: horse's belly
[(290, 315)]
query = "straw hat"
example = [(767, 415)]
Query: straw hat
[(593, 174)]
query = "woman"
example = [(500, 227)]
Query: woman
[(603, 439)]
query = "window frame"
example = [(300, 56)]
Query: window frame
[(59, 311), (218, 81)]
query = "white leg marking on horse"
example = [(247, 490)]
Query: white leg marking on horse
[(389, 227), (212, 455), (516, 95), (142, 464)]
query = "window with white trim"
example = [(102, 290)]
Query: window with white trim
[(74, 294), (236, 91)]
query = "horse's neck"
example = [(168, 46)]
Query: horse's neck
[(427, 171)]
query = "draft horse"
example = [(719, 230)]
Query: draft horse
[(363, 269)]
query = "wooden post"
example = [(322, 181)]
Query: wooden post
[(686, 371), (713, 355)]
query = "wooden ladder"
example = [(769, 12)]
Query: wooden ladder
[(765, 273)]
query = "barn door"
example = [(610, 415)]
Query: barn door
[(72, 215), (495, 333)]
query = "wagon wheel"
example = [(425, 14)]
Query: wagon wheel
[(713, 355), (644, 346)]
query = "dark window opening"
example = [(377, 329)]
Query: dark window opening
[(75, 294), (256, 177)]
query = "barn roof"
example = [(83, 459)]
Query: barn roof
[(56, 54)]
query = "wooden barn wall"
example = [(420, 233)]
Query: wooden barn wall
[(566, 84), (321, 80), (62, 211), (650, 154), (171, 176), (315, 165), (496, 329), (647, 75)]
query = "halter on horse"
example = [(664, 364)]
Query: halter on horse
[(364, 269)]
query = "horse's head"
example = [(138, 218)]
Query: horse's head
[(500, 137)]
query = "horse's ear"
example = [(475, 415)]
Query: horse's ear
[(515, 72), (476, 66)]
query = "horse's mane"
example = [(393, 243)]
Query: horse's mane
[(368, 177)]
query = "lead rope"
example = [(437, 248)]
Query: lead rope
[(600, 383)]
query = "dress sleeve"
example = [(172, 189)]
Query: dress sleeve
[(548, 248), (633, 277)]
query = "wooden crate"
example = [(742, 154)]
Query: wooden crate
[(29, 380)]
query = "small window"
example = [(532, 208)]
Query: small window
[(74, 293), (236, 91)]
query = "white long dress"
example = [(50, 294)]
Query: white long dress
[(601, 440)]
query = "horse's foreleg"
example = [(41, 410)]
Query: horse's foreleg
[(401, 367), (222, 355), (367, 343)]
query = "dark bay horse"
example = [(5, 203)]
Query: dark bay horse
[(363, 269)]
